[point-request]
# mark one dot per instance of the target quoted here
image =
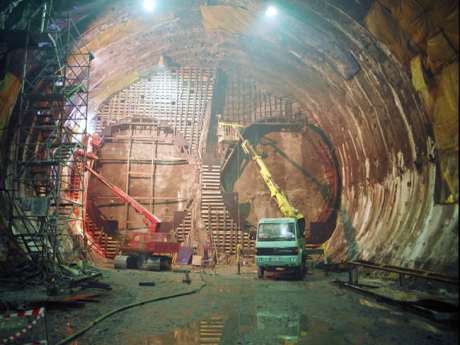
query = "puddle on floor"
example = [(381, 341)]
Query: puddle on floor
[(370, 304), (207, 332), (262, 327), (280, 327)]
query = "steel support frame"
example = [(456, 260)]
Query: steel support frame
[(51, 125)]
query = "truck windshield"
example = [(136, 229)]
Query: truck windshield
[(276, 232)]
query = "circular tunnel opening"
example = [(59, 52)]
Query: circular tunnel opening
[(301, 163)]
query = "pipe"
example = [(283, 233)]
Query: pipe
[(123, 308)]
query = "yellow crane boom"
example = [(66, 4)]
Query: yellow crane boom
[(286, 208)]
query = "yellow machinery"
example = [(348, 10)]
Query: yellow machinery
[(280, 242), (230, 132)]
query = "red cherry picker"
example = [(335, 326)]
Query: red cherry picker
[(148, 248)]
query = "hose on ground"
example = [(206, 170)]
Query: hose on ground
[(129, 306)]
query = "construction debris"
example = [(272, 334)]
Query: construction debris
[(146, 283)]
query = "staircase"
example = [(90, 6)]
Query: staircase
[(185, 227), (99, 241), (223, 230)]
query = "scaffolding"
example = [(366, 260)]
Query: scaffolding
[(46, 168)]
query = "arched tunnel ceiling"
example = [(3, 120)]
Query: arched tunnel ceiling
[(310, 53)]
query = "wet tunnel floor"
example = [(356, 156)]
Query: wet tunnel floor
[(234, 309)]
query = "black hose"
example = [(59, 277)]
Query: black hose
[(137, 304)]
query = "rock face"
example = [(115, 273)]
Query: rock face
[(342, 79), (297, 167)]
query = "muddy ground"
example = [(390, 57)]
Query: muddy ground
[(239, 309)]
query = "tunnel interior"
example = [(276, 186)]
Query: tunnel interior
[(351, 105), (369, 157), (315, 64)]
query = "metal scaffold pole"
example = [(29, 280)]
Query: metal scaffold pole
[(45, 178)]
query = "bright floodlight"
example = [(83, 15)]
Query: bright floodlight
[(271, 11), (149, 5)]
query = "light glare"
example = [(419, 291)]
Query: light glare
[(271, 11), (149, 5)]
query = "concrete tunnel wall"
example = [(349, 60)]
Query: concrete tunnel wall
[(375, 119)]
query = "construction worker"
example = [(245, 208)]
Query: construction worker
[(206, 253)]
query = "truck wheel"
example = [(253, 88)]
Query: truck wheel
[(300, 272), (134, 262), (260, 272)]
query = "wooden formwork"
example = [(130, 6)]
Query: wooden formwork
[(184, 228), (176, 100), (166, 108), (178, 97), (223, 230)]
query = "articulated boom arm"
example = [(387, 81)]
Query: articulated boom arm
[(150, 219), (281, 199), (287, 210)]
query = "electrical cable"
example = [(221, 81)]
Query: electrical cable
[(129, 306)]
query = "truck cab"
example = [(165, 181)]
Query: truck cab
[(280, 245)]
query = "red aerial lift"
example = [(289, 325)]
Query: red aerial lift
[(147, 249)]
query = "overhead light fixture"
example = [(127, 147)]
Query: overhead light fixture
[(149, 5), (271, 11)]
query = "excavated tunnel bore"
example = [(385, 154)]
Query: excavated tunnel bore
[(301, 161), (342, 81), (351, 104)]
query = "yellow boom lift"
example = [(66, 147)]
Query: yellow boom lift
[(279, 241)]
